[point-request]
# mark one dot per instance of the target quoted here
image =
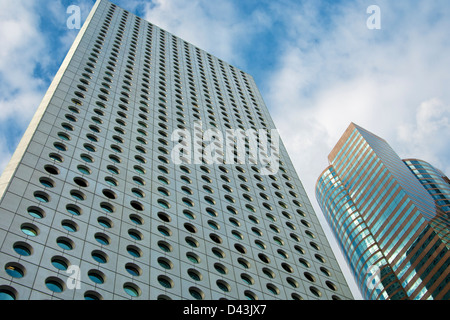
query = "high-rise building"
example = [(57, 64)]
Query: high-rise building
[(390, 217), (152, 170)]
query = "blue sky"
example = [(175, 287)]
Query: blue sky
[(316, 63)]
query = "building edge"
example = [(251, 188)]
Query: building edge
[(21, 149)]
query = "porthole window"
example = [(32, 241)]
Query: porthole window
[(240, 248), (250, 208), (60, 263), (109, 194), (264, 258), (244, 263), (133, 269), (7, 293), (192, 242), (210, 200), (135, 234), (225, 287), (99, 256), (260, 244), (91, 295), (102, 238), (211, 212), (192, 257), (60, 146), (77, 195), (81, 182), (136, 219), (331, 285), (194, 274), (218, 253), (139, 181), (188, 202), (15, 270), (89, 147), (213, 225), (73, 209), (134, 251), (325, 271), (215, 238), (269, 273), (106, 207), (105, 222), (137, 205), (41, 196), (47, 182), (69, 225), (315, 291), (309, 277), (131, 289), (54, 284), (84, 170), (139, 169), (165, 263), (315, 246), (164, 204), (220, 268), (237, 235), (292, 282), (273, 289), (247, 279), (187, 190), (250, 295), (189, 214), (87, 158), (163, 180), (196, 293), (166, 282), (96, 276), (189, 227), (164, 231), (36, 212), (29, 229), (113, 169), (56, 157), (63, 136), (23, 249)]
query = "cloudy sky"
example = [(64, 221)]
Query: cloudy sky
[(316, 62)]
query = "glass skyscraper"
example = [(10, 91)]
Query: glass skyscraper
[(390, 217), (152, 170)]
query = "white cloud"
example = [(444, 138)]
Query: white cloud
[(375, 78), (20, 52), (214, 26), (429, 135), (393, 82)]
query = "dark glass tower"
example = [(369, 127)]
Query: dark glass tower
[(133, 181)]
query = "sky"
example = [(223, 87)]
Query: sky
[(317, 63)]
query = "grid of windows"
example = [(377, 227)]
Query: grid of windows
[(109, 209)]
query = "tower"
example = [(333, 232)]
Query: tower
[(153, 170), (390, 218)]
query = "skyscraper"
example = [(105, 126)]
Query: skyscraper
[(390, 217), (152, 170)]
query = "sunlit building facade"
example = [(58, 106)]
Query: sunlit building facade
[(389, 216), (95, 203)]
